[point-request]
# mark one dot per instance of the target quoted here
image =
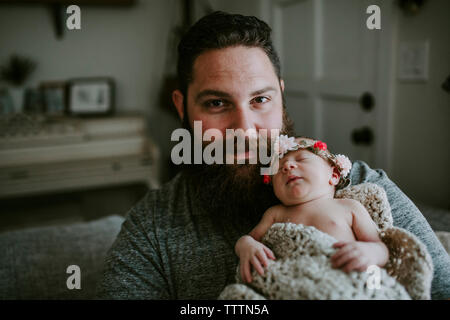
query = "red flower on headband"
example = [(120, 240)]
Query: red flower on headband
[(320, 145), (266, 179)]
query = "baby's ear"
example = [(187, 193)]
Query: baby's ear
[(335, 177)]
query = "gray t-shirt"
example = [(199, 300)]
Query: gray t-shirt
[(169, 248)]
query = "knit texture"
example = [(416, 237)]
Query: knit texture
[(302, 269)]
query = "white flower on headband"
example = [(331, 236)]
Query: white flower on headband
[(344, 164), (286, 144)]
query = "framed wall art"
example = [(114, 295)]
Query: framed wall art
[(91, 96)]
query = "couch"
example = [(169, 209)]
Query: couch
[(34, 261)]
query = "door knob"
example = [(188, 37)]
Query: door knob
[(367, 101), (362, 136)]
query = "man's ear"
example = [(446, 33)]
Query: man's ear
[(178, 101), (282, 85), (335, 177)]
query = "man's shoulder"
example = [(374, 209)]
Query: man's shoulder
[(168, 192), (361, 172)]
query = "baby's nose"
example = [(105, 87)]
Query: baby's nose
[(289, 165)]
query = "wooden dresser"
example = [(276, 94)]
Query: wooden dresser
[(69, 154)]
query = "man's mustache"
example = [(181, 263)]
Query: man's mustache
[(236, 146)]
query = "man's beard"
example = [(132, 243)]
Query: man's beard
[(233, 191)]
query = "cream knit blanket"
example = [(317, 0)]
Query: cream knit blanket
[(302, 269)]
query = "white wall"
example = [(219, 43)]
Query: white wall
[(421, 152), (126, 43), (247, 7)]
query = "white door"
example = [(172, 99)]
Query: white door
[(336, 73)]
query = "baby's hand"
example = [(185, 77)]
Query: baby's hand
[(252, 253), (358, 255)]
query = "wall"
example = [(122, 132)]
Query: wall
[(421, 154), (128, 44)]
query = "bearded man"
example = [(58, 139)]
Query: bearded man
[(178, 241)]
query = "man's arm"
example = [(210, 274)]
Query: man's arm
[(133, 268), (407, 216)]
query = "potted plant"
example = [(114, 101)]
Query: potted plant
[(15, 73)]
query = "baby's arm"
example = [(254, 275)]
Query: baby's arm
[(367, 250), (268, 219), (251, 251)]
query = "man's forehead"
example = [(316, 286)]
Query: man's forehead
[(233, 70)]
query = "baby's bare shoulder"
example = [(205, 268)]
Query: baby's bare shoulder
[(353, 205), (275, 210), (279, 213)]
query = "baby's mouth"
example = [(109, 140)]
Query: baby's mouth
[(292, 178)]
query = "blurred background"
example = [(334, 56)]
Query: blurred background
[(86, 115)]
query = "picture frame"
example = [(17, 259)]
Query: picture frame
[(54, 97), (91, 96)]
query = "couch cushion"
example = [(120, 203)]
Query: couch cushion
[(34, 261)]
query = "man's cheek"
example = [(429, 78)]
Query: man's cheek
[(275, 117), (273, 121), (209, 122)]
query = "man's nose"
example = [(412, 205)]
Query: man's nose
[(289, 165), (243, 119)]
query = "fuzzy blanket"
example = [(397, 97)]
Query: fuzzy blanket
[(302, 269)]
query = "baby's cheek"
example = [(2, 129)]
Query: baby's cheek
[(276, 183), (277, 187)]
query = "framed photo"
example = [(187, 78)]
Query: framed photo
[(54, 97), (91, 96)]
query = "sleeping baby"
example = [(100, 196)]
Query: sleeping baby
[(305, 183)]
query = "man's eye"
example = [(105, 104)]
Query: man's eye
[(261, 99), (216, 103)]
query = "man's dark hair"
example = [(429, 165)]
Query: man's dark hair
[(220, 30)]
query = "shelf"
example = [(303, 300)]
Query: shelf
[(77, 175), (93, 153)]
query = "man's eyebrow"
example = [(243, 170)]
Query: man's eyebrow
[(210, 92), (223, 94), (263, 90)]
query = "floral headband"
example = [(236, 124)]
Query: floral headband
[(284, 144)]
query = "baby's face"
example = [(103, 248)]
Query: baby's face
[(303, 176)]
